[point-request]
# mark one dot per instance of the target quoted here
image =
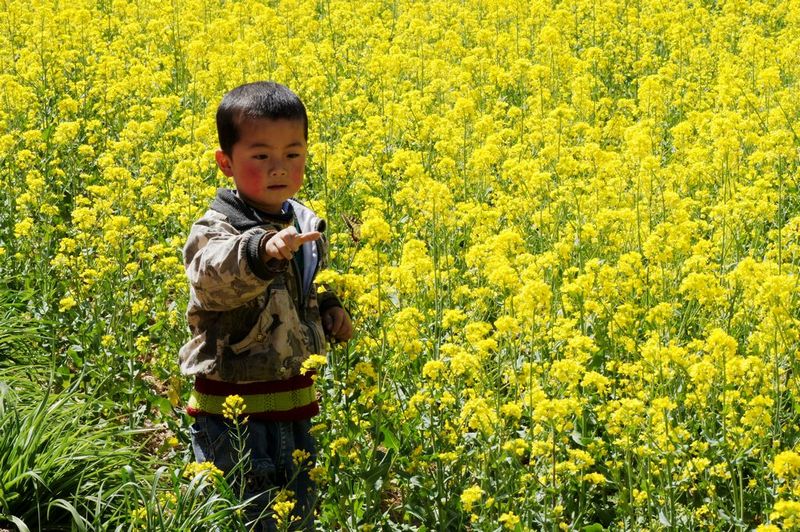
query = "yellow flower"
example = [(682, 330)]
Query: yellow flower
[(470, 496), (477, 414), (365, 369), (317, 475), (507, 326), (283, 511), (788, 511), (167, 499), (452, 317), (509, 520), (66, 303), (595, 209), (208, 469), (338, 444), (598, 381), (517, 447), (282, 507), (433, 369), (787, 465), (141, 343), (375, 229), (312, 363), (594, 478), (139, 514), (512, 410), (233, 407), (23, 228), (300, 457)]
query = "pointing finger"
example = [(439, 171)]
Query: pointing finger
[(302, 238)]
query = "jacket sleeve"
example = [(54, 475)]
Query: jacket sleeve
[(328, 299), (224, 266)]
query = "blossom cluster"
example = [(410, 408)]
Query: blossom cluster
[(568, 234)]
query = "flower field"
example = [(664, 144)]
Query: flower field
[(568, 234)]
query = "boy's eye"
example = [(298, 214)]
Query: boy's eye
[(293, 155), (260, 156)]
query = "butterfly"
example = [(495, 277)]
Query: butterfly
[(354, 225)]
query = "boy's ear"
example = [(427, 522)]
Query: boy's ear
[(224, 162)]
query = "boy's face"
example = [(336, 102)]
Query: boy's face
[(267, 163)]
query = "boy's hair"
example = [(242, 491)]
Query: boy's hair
[(253, 101)]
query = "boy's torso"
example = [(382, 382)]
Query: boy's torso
[(270, 335)]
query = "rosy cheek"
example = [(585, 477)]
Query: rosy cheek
[(250, 179), (297, 175)]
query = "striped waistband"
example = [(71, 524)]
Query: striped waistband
[(285, 400)]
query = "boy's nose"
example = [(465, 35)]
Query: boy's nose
[(277, 170)]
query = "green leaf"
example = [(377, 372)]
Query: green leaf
[(163, 405), (20, 524), (581, 440), (77, 520), (662, 518), (390, 441)]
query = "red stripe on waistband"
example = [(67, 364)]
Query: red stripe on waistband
[(212, 387)]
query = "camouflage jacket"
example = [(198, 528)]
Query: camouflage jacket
[(251, 320)]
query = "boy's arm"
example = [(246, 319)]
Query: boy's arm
[(335, 319), (224, 267), (336, 324), (328, 299)]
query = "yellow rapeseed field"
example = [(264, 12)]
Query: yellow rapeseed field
[(568, 233)]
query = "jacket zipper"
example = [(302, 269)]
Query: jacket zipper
[(298, 281), (301, 292), (318, 341), (301, 296)]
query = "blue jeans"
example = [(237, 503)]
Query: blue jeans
[(271, 466)]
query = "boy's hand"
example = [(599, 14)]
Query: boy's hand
[(336, 323), (285, 243)]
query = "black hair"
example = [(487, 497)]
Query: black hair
[(253, 101)]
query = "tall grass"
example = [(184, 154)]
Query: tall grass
[(55, 449)]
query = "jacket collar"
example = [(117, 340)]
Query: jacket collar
[(242, 216)]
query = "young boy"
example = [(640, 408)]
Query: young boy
[(254, 311)]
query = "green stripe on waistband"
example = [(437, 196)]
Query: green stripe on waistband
[(256, 403)]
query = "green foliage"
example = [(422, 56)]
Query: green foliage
[(163, 501), (54, 448), (568, 233)]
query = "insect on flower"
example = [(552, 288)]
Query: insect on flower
[(354, 226)]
